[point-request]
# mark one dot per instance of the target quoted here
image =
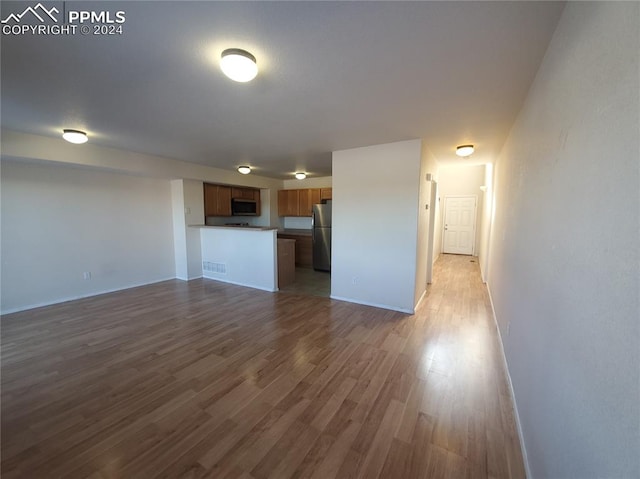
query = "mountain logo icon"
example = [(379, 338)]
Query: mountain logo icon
[(39, 11)]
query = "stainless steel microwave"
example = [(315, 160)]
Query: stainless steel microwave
[(244, 207)]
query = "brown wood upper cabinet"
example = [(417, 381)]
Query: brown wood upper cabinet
[(217, 200), (288, 202), (299, 202), (308, 198), (244, 193), (325, 193)]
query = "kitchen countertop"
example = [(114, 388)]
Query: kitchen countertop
[(294, 232), (252, 228)]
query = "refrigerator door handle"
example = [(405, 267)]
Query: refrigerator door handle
[(313, 226)]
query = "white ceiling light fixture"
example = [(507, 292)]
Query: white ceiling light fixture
[(75, 136), (464, 150), (239, 65), (245, 170), (300, 176)]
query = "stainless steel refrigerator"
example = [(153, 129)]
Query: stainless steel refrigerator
[(321, 231)]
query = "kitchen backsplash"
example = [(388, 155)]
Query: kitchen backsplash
[(293, 223)]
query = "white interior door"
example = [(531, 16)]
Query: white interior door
[(459, 224)]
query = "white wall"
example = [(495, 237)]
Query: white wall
[(375, 224), (424, 254), (178, 215), (187, 198), (194, 215), (59, 222), (437, 236), (59, 152), (269, 208), (564, 256), (26, 146), (292, 222), (249, 256), (310, 182), (461, 181), (486, 218)]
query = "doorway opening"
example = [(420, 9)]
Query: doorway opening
[(310, 283)]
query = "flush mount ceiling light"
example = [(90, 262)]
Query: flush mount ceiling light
[(239, 65), (75, 136), (245, 170), (464, 150), (300, 176)]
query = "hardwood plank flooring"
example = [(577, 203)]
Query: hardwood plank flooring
[(205, 379)]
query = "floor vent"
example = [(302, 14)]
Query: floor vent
[(219, 268)]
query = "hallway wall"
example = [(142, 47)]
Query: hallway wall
[(374, 260), (564, 259)]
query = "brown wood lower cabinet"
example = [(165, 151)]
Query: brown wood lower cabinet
[(304, 249), (286, 262)]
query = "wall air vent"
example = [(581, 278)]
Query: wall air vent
[(210, 267)]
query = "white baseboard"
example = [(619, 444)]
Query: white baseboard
[(189, 278), (81, 296), (375, 305), (424, 293), (511, 391)]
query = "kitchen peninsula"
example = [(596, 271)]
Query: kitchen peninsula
[(236, 249), (303, 251), (247, 256)]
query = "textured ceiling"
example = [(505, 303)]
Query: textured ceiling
[(332, 76)]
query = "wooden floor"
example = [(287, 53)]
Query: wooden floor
[(205, 379)]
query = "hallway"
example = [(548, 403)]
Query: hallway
[(474, 413), (206, 379)]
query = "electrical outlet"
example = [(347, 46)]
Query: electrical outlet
[(508, 328), (354, 280), (86, 275)]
